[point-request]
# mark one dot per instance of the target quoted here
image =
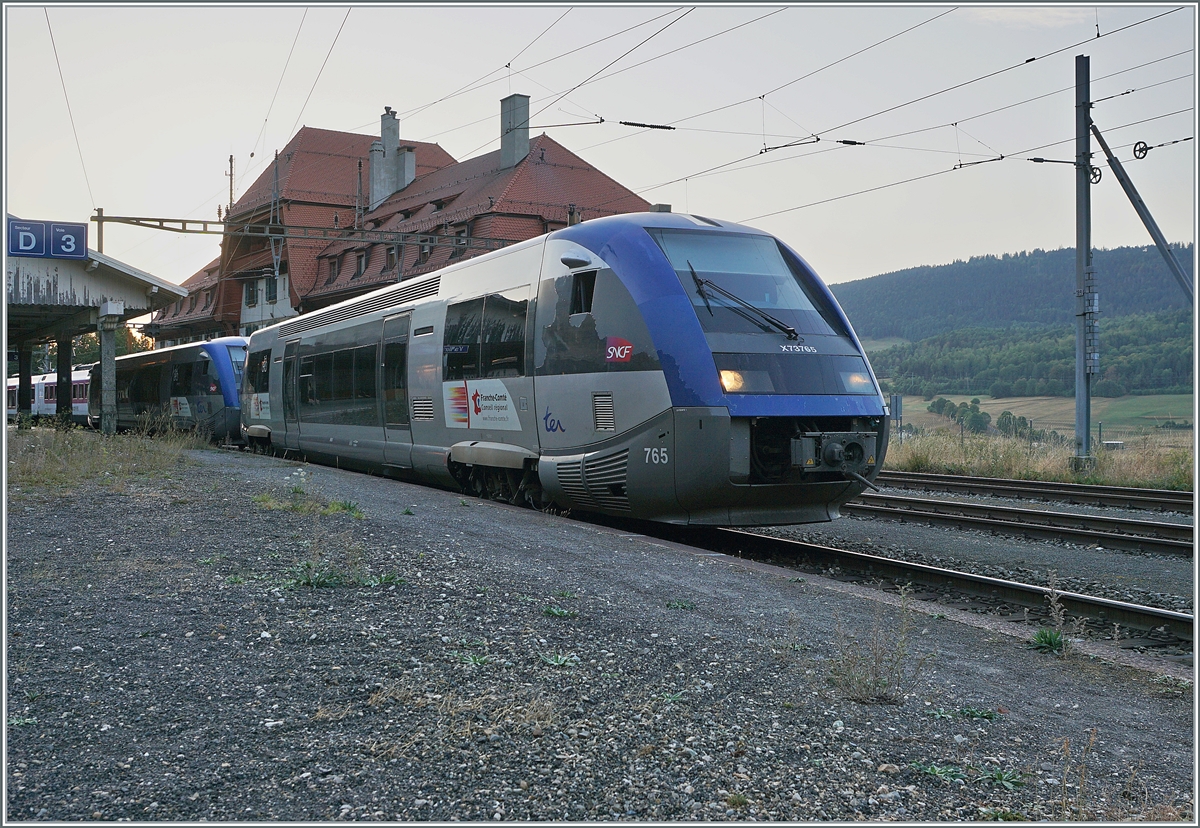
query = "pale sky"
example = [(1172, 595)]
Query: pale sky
[(161, 96)]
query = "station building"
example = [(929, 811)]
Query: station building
[(441, 210)]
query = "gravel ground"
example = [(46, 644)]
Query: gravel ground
[(481, 662)]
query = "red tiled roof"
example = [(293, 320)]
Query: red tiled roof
[(540, 187), (321, 165)]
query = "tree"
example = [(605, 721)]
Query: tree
[(86, 348)]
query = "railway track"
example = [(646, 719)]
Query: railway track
[(1161, 500), (1161, 626), (1108, 532)]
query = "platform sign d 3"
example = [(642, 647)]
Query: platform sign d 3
[(47, 239)]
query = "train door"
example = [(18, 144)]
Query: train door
[(394, 384), (291, 421)]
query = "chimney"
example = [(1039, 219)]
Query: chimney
[(514, 130), (378, 173), (392, 168)]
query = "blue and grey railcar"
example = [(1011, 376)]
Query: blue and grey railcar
[(654, 365), (194, 386)]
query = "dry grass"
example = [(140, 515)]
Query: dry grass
[(1147, 461), (49, 458)]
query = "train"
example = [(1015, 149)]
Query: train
[(193, 386), (44, 390), (658, 366)]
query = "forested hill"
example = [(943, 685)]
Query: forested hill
[(1022, 289)]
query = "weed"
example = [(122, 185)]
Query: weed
[(559, 612), (941, 713), (669, 698), (977, 713), (737, 800), (679, 604), (407, 511), (1077, 809), (948, 773), (32, 695), (21, 721), (463, 502), (565, 593), (315, 574), (347, 506), (1007, 779), (475, 659), (298, 491), (797, 581), (880, 670), (1169, 685), (1047, 641), (472, 642), (560, 659), (235, 579), (209, 561)]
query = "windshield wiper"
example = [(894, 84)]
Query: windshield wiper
[(702, 283), (700, 288)]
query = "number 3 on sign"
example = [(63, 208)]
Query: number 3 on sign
[(657, 456)]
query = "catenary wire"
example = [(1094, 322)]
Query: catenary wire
[(953, 169), (282, 74), (789, 83), (589, 77), (70, 114), (322, 69)]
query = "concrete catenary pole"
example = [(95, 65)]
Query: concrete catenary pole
[(62, 403), (1086, 350), (108, 373)]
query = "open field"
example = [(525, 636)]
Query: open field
[(1122, 416), (872, 345)]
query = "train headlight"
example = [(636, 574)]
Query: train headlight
[(732, 381), (857, 382)]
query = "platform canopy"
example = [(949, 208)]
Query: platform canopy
[(49, 296)]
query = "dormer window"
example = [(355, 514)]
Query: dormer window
[(333, 271), (208, 295), (438, 205), (426, 250), (360, 264), (192, 302), (391, 259)]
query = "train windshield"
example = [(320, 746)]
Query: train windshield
[(741, 283), (237, 354)]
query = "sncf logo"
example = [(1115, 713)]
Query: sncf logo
[(618, 350)]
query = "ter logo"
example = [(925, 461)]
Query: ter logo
[(618, 350)]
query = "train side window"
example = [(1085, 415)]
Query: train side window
[(181, 379), (343, 374), (50, 393), (460, 341), (395, 371), (258, 372), (364, 372), (503, 351), (583, 288)]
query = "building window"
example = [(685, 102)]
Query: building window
[(251, 293), (391, 259), (333, 271), (178, 308), (360, 264), (208, 295), (460, 244), (192, 302), (271, 289), (425, 251)]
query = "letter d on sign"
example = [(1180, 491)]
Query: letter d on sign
[(26, 240)]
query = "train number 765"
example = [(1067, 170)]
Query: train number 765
[(657, 456)]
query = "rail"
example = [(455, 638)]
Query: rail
[(1163, 500)]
